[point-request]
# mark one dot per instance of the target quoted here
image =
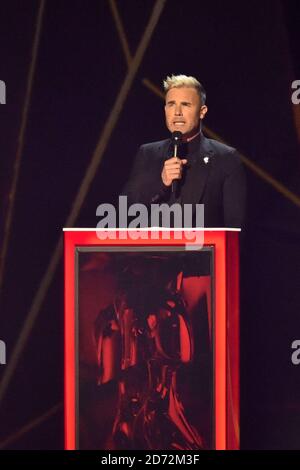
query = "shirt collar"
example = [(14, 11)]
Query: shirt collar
[(186, 149)]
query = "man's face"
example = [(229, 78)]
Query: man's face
[(183, 110)]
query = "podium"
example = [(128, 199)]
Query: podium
[(151, 339)]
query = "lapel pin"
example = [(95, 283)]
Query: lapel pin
[(206, 159)]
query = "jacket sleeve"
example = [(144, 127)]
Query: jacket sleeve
[(234, 195), (145, 184)]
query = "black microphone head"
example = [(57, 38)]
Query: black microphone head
[(176, 137)]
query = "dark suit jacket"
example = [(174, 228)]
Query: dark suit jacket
[(220, 183)]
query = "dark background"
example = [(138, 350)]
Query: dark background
[(246, 55)]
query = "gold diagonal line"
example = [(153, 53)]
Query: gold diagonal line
[(232, 411), (121, 31), (117, 108), (83, 190), (30, 426), (20, 141), (263, 174)]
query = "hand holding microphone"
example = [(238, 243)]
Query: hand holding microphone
[(172, 170)]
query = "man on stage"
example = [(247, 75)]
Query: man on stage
[(204, 171)]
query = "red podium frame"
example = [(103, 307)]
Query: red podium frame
[(226, 338)]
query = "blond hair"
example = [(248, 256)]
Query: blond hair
[(178, 81)]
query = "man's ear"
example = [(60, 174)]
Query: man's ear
[(203, 111)]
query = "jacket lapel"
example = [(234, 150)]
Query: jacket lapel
[(201, 168)]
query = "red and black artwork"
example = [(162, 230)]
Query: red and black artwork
[(145, 356)]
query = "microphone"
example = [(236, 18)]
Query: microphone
[(176, 139)]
